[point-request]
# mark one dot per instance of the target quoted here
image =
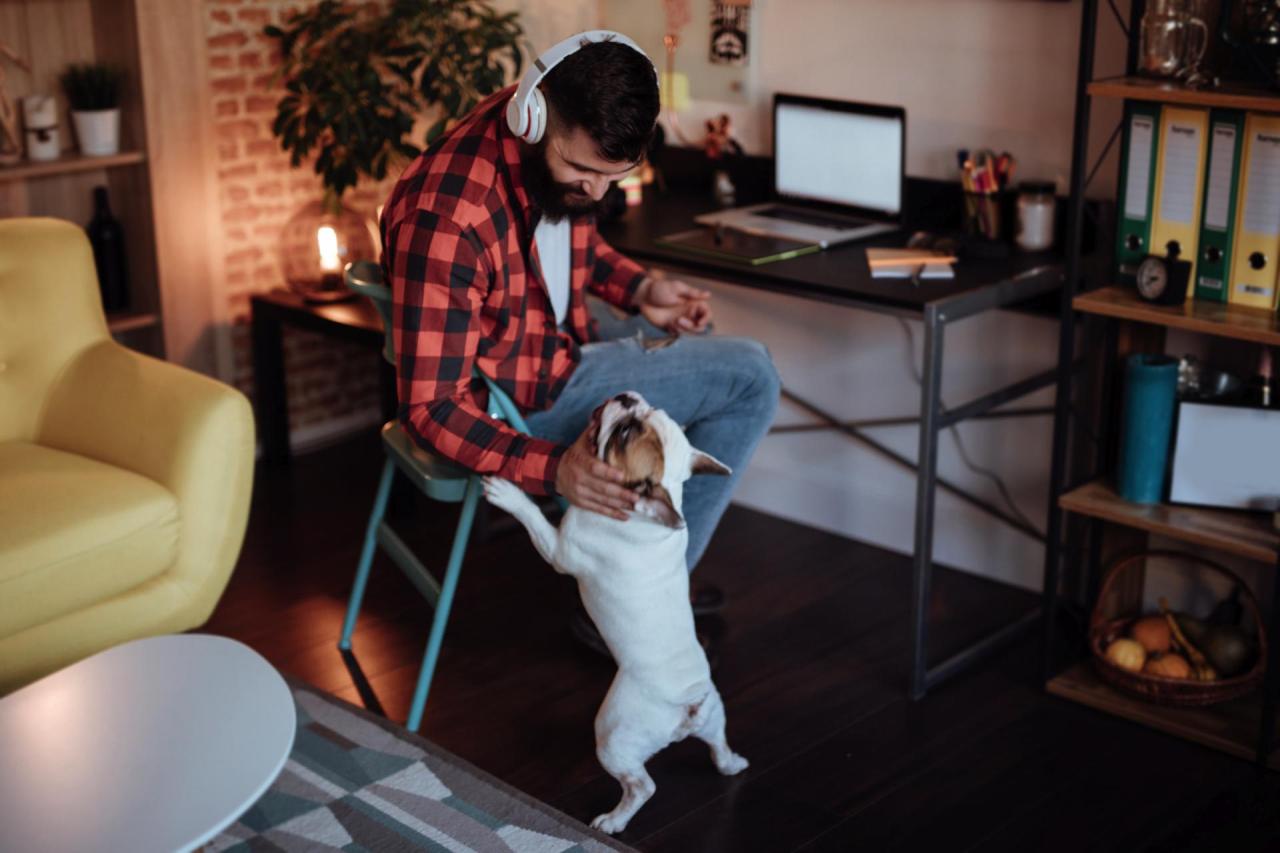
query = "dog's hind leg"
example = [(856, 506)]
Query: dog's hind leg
[(710, 730), (637, 787)]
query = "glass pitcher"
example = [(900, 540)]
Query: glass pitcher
[(1174, 38)]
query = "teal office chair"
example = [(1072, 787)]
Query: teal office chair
[(435, 478)]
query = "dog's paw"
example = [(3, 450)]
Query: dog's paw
[(733, 765), (503, 494), (609, 823)]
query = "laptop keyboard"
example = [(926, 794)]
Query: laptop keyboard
[(807, 217)]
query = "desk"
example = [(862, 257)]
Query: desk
[(355, 321), (841, 276)]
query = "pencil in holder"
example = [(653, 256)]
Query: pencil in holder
[(987, 216)]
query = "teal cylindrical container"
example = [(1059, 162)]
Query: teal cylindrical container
[(1151, 383)]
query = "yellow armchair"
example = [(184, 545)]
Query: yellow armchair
[(124, 480)]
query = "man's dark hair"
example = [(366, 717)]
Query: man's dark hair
[(611, 92)]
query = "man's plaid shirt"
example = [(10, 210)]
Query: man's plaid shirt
[(457, 235)]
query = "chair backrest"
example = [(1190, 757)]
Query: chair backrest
[(50, 312), (365, 278)]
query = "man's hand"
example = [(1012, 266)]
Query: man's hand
[(670, 304), (589, 483)]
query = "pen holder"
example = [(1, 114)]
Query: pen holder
[(989, 216)]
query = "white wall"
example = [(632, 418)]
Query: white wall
[(971, 73)]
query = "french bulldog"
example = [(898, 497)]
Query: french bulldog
[(634, 582)]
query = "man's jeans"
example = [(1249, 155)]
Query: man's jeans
[(723, 391)]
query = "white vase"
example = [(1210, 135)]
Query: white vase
[(98, 131)]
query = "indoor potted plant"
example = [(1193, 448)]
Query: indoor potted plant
[(356, 78), (93, 91)]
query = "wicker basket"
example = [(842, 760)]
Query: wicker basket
[(1159, 689)]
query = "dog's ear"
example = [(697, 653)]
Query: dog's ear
[(593, 429), (655, 504), (705, 463)]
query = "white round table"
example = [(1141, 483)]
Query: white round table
[(157, 744)]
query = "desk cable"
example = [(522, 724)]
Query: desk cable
[(955, 435)]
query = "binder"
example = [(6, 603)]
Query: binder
[(1253, 260), (1137, 184), (1175, 223), (1217, 223)]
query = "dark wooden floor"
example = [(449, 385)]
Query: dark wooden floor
[(813, 673)]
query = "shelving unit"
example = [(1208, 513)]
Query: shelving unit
[(50, 34), (1238, 97), (69, 164), (1243, 534), (1219, 319), (1245, 727), (1231, 727)]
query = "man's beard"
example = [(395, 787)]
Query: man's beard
[(556, 200)]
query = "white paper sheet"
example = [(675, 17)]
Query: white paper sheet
[(1262, 205), (1180, 171), (1139, 171), (1217, 205)]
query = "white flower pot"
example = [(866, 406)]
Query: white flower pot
[(98, 131)]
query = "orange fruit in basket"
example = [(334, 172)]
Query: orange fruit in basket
[(1169, 666), (1152, 633)]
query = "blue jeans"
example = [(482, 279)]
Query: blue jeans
[(723, 391)]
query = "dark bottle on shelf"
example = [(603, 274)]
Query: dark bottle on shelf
[(107, 238)]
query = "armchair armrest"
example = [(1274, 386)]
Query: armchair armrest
[(188, 432)]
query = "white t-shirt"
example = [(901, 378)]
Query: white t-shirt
[(552, 240)]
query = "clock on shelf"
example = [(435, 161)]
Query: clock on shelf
[(1163, 281)]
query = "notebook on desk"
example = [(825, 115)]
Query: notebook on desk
[(729, 245)]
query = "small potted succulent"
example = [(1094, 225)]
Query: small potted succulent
[(93, 91)]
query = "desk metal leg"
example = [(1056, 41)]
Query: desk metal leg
[(926, 496), (270, 397)]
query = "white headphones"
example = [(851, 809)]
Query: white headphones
[(527, 109)]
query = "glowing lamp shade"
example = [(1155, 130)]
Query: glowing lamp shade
[(317, 243)]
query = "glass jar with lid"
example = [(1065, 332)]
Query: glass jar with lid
[(1037, 203)]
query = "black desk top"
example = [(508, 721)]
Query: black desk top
[(839, 274)]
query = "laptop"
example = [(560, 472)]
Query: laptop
[(838, 172)]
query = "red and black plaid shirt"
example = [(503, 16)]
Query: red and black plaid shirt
[(457, 236)]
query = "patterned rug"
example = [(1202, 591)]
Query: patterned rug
[(357, 782)]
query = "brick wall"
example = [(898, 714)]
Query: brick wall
[(330, 383)]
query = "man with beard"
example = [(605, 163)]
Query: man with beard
[(490, 248)]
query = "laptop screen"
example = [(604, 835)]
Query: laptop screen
[(839, 153)]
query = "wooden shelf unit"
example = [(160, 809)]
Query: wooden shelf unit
[(69, 164), (1231, 96), (51, 35), (1246, 727), (1231, 727), (1220, 319), (1243, 534)]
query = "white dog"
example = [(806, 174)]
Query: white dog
[(634, 582)]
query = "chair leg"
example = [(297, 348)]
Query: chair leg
[(441, 616), (366, 553)]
